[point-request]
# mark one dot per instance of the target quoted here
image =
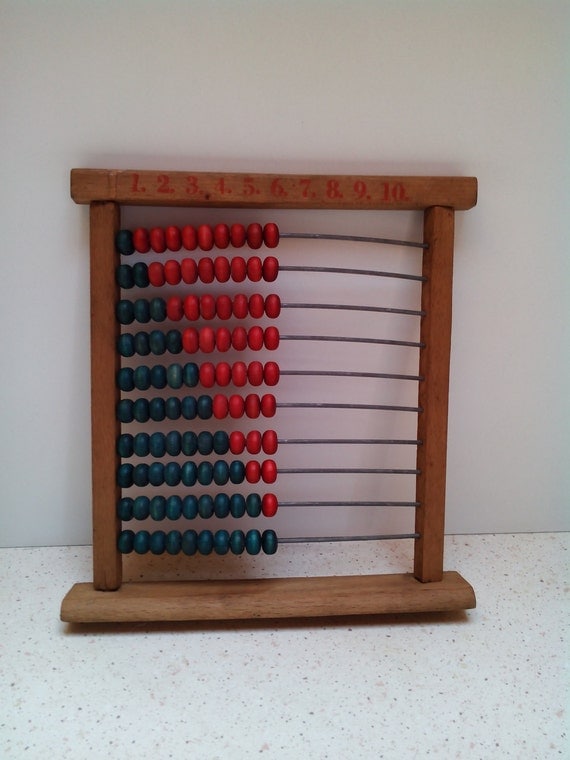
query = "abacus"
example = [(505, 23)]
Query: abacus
[(171, 368)]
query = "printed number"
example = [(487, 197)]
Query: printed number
[(248, 186), (163, 184), (360, 189), (277, 189), (135, 187), (305, 184), (333, 189), (395, 192), (192, 185), (220, 186)]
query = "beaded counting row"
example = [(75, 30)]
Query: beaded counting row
[(192, 340), (191, 407), (195, 307), (191, 374), (189, 473), (173, 507), (190, 443), (203, 542)]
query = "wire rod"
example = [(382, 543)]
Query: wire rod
[(349, 504), (341, 339), (345, 270), (347, 373), (345, 471), (331, 539), (365, 441), (352, 238), (319, 405), (351, 307)]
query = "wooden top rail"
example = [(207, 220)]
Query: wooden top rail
[(217, 189)]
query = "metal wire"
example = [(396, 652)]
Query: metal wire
[(349, 504), (330, 539), (352, 238), (341, 339), (345, 471), (318, 405), (345, 270), (351, 307), (365, 441), (347, 373)]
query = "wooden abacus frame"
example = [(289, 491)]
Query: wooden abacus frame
[(428, 588)]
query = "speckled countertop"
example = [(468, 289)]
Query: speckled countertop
[(488, 683)]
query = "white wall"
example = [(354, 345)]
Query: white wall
[(471, 88)]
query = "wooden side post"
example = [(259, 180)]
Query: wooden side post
[(435, 333), (105, 361)]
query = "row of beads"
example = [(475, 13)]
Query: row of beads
[(159, 239), (190, 407), (195, 307), (204, 542), (191, 374), (190, 507), (189, 271), (191, 340), (190, 443), (190, 473)]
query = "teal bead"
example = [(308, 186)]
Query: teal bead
[(125, 379), (125, 410), (189, 407), (157, 409), (237, 542), (158, 376), (205, 541), (141, 377), (189, 542), (269, 541), (204, 407), (141, 475), (253, 504), (205, 442), (221, 442), (174, 341), (173, 408), (141, 543), (173, 508), (189, 473), (205, 506), (221, 542), (237, 471), (173, 443), (237, 505), (253, 542), (174, 376), (221, 472), (141, 444), (141, 310), (124, 242), (156, 473), (189, 443), (141, 508), (158, 542), (221, 505), (191, 374), (125, 509), (125, 542), (142, 344), (125, 446), (124, 276), (190, 507), (158, 508), (125, 475), (172, 474), (140, 274), (173, 543), (157, 445), (141, 410), (157, 309), (126, 345), (205, 473), (125, 312), (157, 342)]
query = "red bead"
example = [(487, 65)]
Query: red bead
[(192, 307), (237, 442), (141, 240), (173, 238), (254, 235), (238, 269), (239, 338), (220, 406), (269, 442), (236, 406), (270, 269), (205, 237), (190, 340), (222, 268), (269, 505), (207, 374), (156, 274), (256, 305), (252, 471), (271, 235), (255, 338), (269, 471), (223, 339), (207, 340), (271, 373), (273, 306), (224, 307), (271, 338), (255, 373), (174, 308), (221, 235), (189, 237), (239, 374), (189, 271), (237, 235), (268, 405), (223, 374), (253, 442), (172, 272), (254, 269), (206, 270), (207, 306), (157, 240), (240, 306), (252, 405)]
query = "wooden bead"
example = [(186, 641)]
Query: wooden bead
[(204, 407), (157, 240), (237, 471), (158, 376), (205, 506), (190, 340), (223, 374), (254, 269), (269, 471), (255, 373), (175, 308), (172, 272), (125, 312), (253, 442), (142, 343), (125, 509), (253, 504), (256, 305), (189, 237), (125, 448), (221, 442), (237, 442), (222, 268), (239, 374), (141, 508), (125, 474), (253, 542), (205, 442), (240, 306), (221, 472), (238, 269), (191, 305), (173, 441), (172, 408), (269, 442), (157, 508), (189, 542), (269, 541), (255, 338), (125, 542), (207, 306), (252, 471), (189, 407), (205, 236), (156, 274), (206, 339), (252, 405), (173, 542), (223, 339), (271, 373), (221, 236), (140, 275), (173, 508), (124, 276), (189, 271), (221, 505), (238, 235), (174, 376), (206, 270), (239, 338), (173, 238), (190, 507), (141, 543), (271, 235), (224, 307), (254, 235), (142, 377), (126, 345), (268, 405), (221, 542), (272, 306), (124, 242), (207, 374), (190, 374), (141, 240), (235, 406), (237, 505), (237, 542), (157, 542), (269, 504), (172, 474), (125, 379), (270, 269), (205, 473), (220, 406), (157, 445), (205, 541), (271, 338), (157, 342)]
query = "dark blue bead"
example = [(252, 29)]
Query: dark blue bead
[(173, 443), (124, 242), (125, 312), (158, 508), (124, 276), (173, 507), (156, 474), (125, 379), (221, 442), (253, 504), (191, 374), (141, 444), (174, 341), (237, 505), (189, 542), (188, 473), (158, 376), (125, 541), (173, 542), (142, 344), (253, 542), (125, 446), (205, 473), (205, 442), (141, 410), (221, 472), (173, 408), (237, 542), (125, 509), (204, 407), (269, 541), (221, 542), (157, 445), (221, 505), (157, 410), (126, 345), (157, 342), (141, 377), (157, 309), (189, 407), (174, 376), (237, 471), (141, 508), (140, 274), (142, 310), (158, 542), (141, 542), (141, 475), (172, 474), (125, 474), (205, 541), (189, 443), (190, 507), (205, 506), (125, 410)]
